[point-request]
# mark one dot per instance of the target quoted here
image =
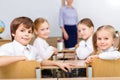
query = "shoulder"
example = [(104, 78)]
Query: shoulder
[(33, 48), (63, 8), (6, 46), (82, 42), (38, 41)]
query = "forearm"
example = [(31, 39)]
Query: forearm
[(49, 63), (5, 60), (63, 30)]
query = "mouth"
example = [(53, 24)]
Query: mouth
[(26, 39)]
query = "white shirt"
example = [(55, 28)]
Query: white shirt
[(43, 47), (16, 49), (85, 48), (110, 54)]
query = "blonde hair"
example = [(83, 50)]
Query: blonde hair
[(38, 22), (109, 28)]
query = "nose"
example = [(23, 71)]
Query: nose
[(102, 41), (26, 33)]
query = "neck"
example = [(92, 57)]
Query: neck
[(69, 5)]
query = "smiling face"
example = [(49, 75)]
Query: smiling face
[(23, 35), (43, 30), (105, 39), (84, 31)]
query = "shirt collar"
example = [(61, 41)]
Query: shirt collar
[(69, 7), (109, 50), (19, 46), (41, 39)]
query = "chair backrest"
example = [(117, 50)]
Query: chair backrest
[(105, 68), (21, 69)]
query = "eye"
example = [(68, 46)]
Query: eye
[(22, 30), (79, 30), (98, 38), (47, 28), (42, 29), (30, 31), (83, 29), (106, 38)]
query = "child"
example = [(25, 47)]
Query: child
[(103, 40), (85, 31), (42, 31), (19, 49)]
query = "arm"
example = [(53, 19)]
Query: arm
[(61, 23), (63, 66), (44, 50), (5, 60), (90, 58), (65, 35), (110, 55), (82, 51)]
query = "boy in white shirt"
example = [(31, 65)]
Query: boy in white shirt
[(19, 50)]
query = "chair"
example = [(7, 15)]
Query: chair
[(21, 69), (105, 68)]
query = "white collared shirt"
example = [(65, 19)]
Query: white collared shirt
[(45, 51), (110, 54), (16, 49), (85, 48)]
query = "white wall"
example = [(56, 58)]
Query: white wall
[(49, 9), (100, 11)]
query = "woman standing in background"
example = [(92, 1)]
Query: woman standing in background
[(68, 20)]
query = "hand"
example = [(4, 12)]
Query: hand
[(55, 51), (65, 67), (24, 58), (65, 35), (90, 58)]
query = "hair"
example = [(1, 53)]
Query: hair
[(27, 22), (86, 21), (109, 28), (38, 22)]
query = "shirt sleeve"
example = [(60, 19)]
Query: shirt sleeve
[(82, 51), (61, 23), (44, 51), (109, 55), (5, 50)]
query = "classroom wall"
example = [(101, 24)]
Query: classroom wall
[(100, 11), (49, 9)]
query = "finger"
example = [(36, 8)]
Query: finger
[(64, 70)]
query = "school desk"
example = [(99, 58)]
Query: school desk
[(66, 54), (33, 79), (97, 78), (66, 51)]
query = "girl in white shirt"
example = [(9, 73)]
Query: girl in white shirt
[(42, 31), (103, 42), (85, 30)]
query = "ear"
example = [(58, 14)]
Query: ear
[(92, 28), (13, 34), (36, 32)]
